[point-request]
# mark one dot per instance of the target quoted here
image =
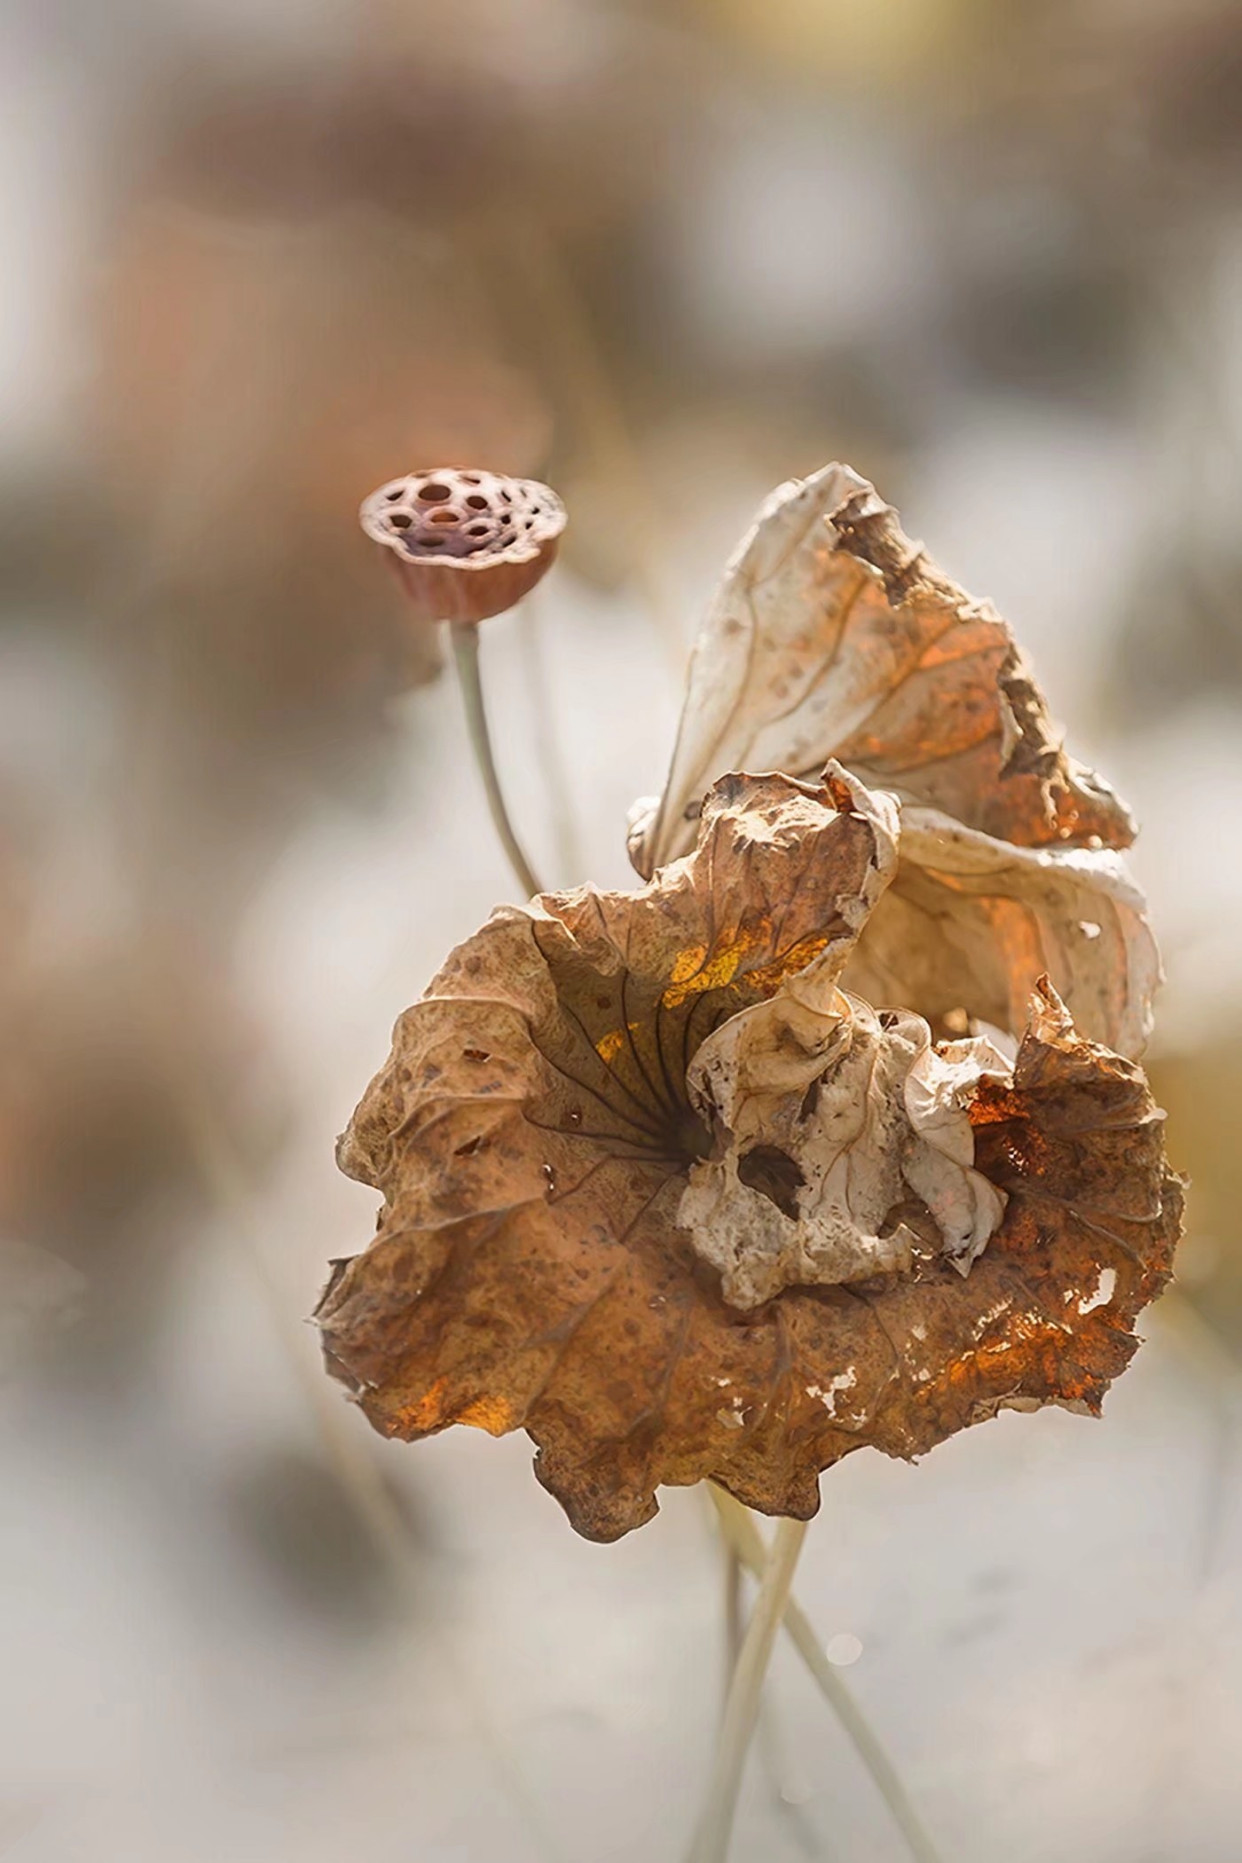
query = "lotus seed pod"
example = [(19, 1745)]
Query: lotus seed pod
[(465, 545)]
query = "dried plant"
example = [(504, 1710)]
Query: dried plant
[(466, 545), (731, 1175), (662, 1191)]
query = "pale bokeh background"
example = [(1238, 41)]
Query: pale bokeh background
[(257, 260)]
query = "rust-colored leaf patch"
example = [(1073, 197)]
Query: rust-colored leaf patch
[(577, 1067)]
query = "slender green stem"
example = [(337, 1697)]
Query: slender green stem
[(743, 1535), (711, 1840), (466, 655)]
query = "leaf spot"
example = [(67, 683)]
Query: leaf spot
[(827, 1394), (774, 1174), (1105, 1288)]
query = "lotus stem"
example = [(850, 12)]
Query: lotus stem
[(711, 1840), (465, 639), (732, 1601), (741, 1533)]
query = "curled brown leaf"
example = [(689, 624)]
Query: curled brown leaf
[(574, 1070)]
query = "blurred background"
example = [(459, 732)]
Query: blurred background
[(259, 259)]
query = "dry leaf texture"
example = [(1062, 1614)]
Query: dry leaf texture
[(970, 924), (833, 635), (587, 1083)]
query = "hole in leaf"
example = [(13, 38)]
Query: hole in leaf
[(774, 1174), (435, 494), (477, 502)]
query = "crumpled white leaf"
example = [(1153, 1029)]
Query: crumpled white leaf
[(829, 1121), (832, 635)]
